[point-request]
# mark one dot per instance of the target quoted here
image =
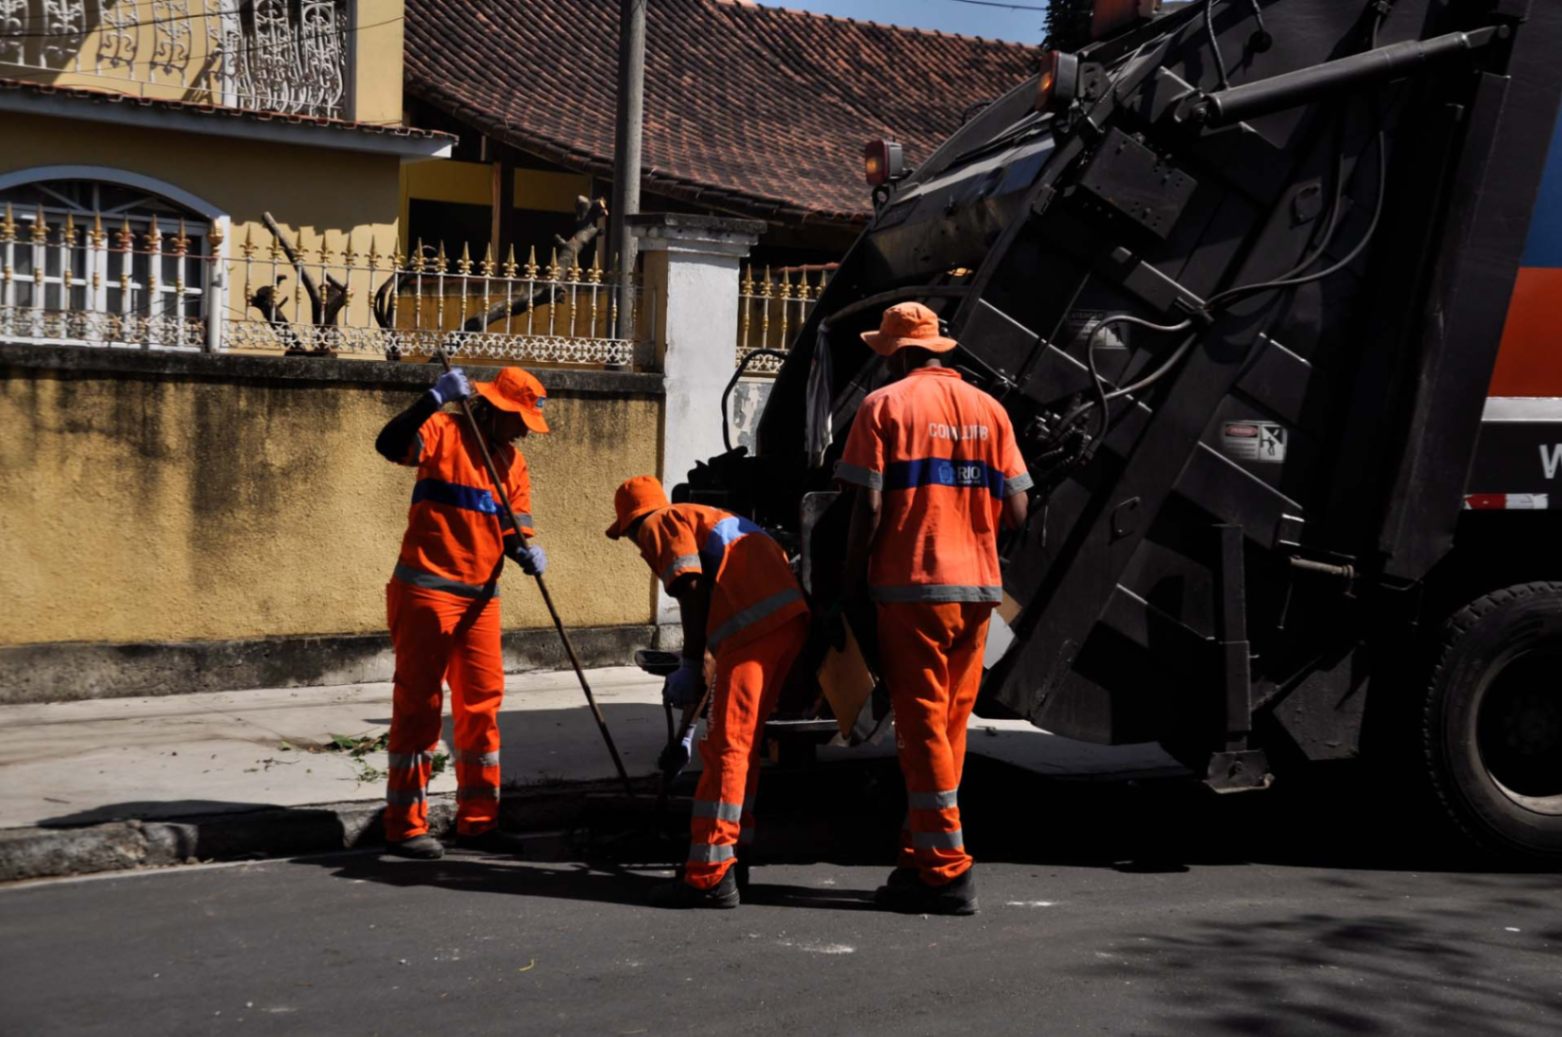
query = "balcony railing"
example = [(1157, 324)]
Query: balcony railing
[(287, 56)]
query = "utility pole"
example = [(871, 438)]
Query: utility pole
[(626, 151)]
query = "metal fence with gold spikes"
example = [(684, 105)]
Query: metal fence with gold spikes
[(151, 281), (326, 297), (86, 281), (772, 308)]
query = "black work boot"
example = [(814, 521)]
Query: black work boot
[(903, 876), (739, 873), (677, 893), (493, 841), (419, 847), (918, 898)]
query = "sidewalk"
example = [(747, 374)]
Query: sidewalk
[(111, 783)]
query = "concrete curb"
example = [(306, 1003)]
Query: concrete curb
[(38, 853)]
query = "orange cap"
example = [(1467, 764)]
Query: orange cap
[(519, 393), (908, 324), (638, 496)]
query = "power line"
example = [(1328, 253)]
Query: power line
[(995, 3)]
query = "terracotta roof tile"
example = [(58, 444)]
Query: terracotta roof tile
[(759, 108)]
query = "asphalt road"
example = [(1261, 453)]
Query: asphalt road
[(1120, 910)]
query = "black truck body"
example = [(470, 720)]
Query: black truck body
[(1268, 522)]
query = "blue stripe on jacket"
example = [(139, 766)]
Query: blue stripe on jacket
[(943, 471), (721, 537), (438, 491)]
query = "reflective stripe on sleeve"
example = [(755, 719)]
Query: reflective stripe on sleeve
[(938, 840), (679, 565), (936, 592), (705, 853), (428, 581), (753, 614), (720, 811), (932, 800), (522, 519), (477, 759), (1017, 484), (859, 475)]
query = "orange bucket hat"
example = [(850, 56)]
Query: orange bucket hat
[(518, 392), (636, 497), (908, 324)]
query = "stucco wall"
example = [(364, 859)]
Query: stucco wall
[(186, 498)]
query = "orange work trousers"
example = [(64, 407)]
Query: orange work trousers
[(439, 637), (931, 659), (748, 682)]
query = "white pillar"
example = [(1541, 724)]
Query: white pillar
[(689, 266)]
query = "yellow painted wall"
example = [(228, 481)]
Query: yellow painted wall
[(167, 53), (313, 193), (148, 508), (377, 75)]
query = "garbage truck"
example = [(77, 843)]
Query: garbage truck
[(1272, 292)]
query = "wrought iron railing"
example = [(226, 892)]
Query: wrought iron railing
[(772, 308), (289, 56), (138, 285), (414, 305), (81, 280)]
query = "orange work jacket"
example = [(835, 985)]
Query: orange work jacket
[(455, 535), (753, 590), (943, 453)]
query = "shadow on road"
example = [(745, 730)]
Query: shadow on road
[(849, 814), (598, 881), (1478, 968)]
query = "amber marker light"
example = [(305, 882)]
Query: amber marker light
[(882, 161), (1058, 82), (1048, 81)]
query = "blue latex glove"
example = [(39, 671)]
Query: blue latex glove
[(532, 559), (685, 684), (451, 387)]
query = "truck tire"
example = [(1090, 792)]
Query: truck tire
[(1491, 725)]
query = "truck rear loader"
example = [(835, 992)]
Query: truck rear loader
[(1272, 291)]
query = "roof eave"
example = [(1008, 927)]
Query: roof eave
[(233, 123)]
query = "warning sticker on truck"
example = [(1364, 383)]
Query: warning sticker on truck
[(1253, 441)]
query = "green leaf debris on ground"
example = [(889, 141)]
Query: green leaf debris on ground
[(357, 747)]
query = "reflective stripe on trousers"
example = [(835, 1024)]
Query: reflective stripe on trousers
[(748, 681), (931, 656), (441, 638)]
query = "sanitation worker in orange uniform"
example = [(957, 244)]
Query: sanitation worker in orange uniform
[(935, 468), (738, 598), (443, 599)]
